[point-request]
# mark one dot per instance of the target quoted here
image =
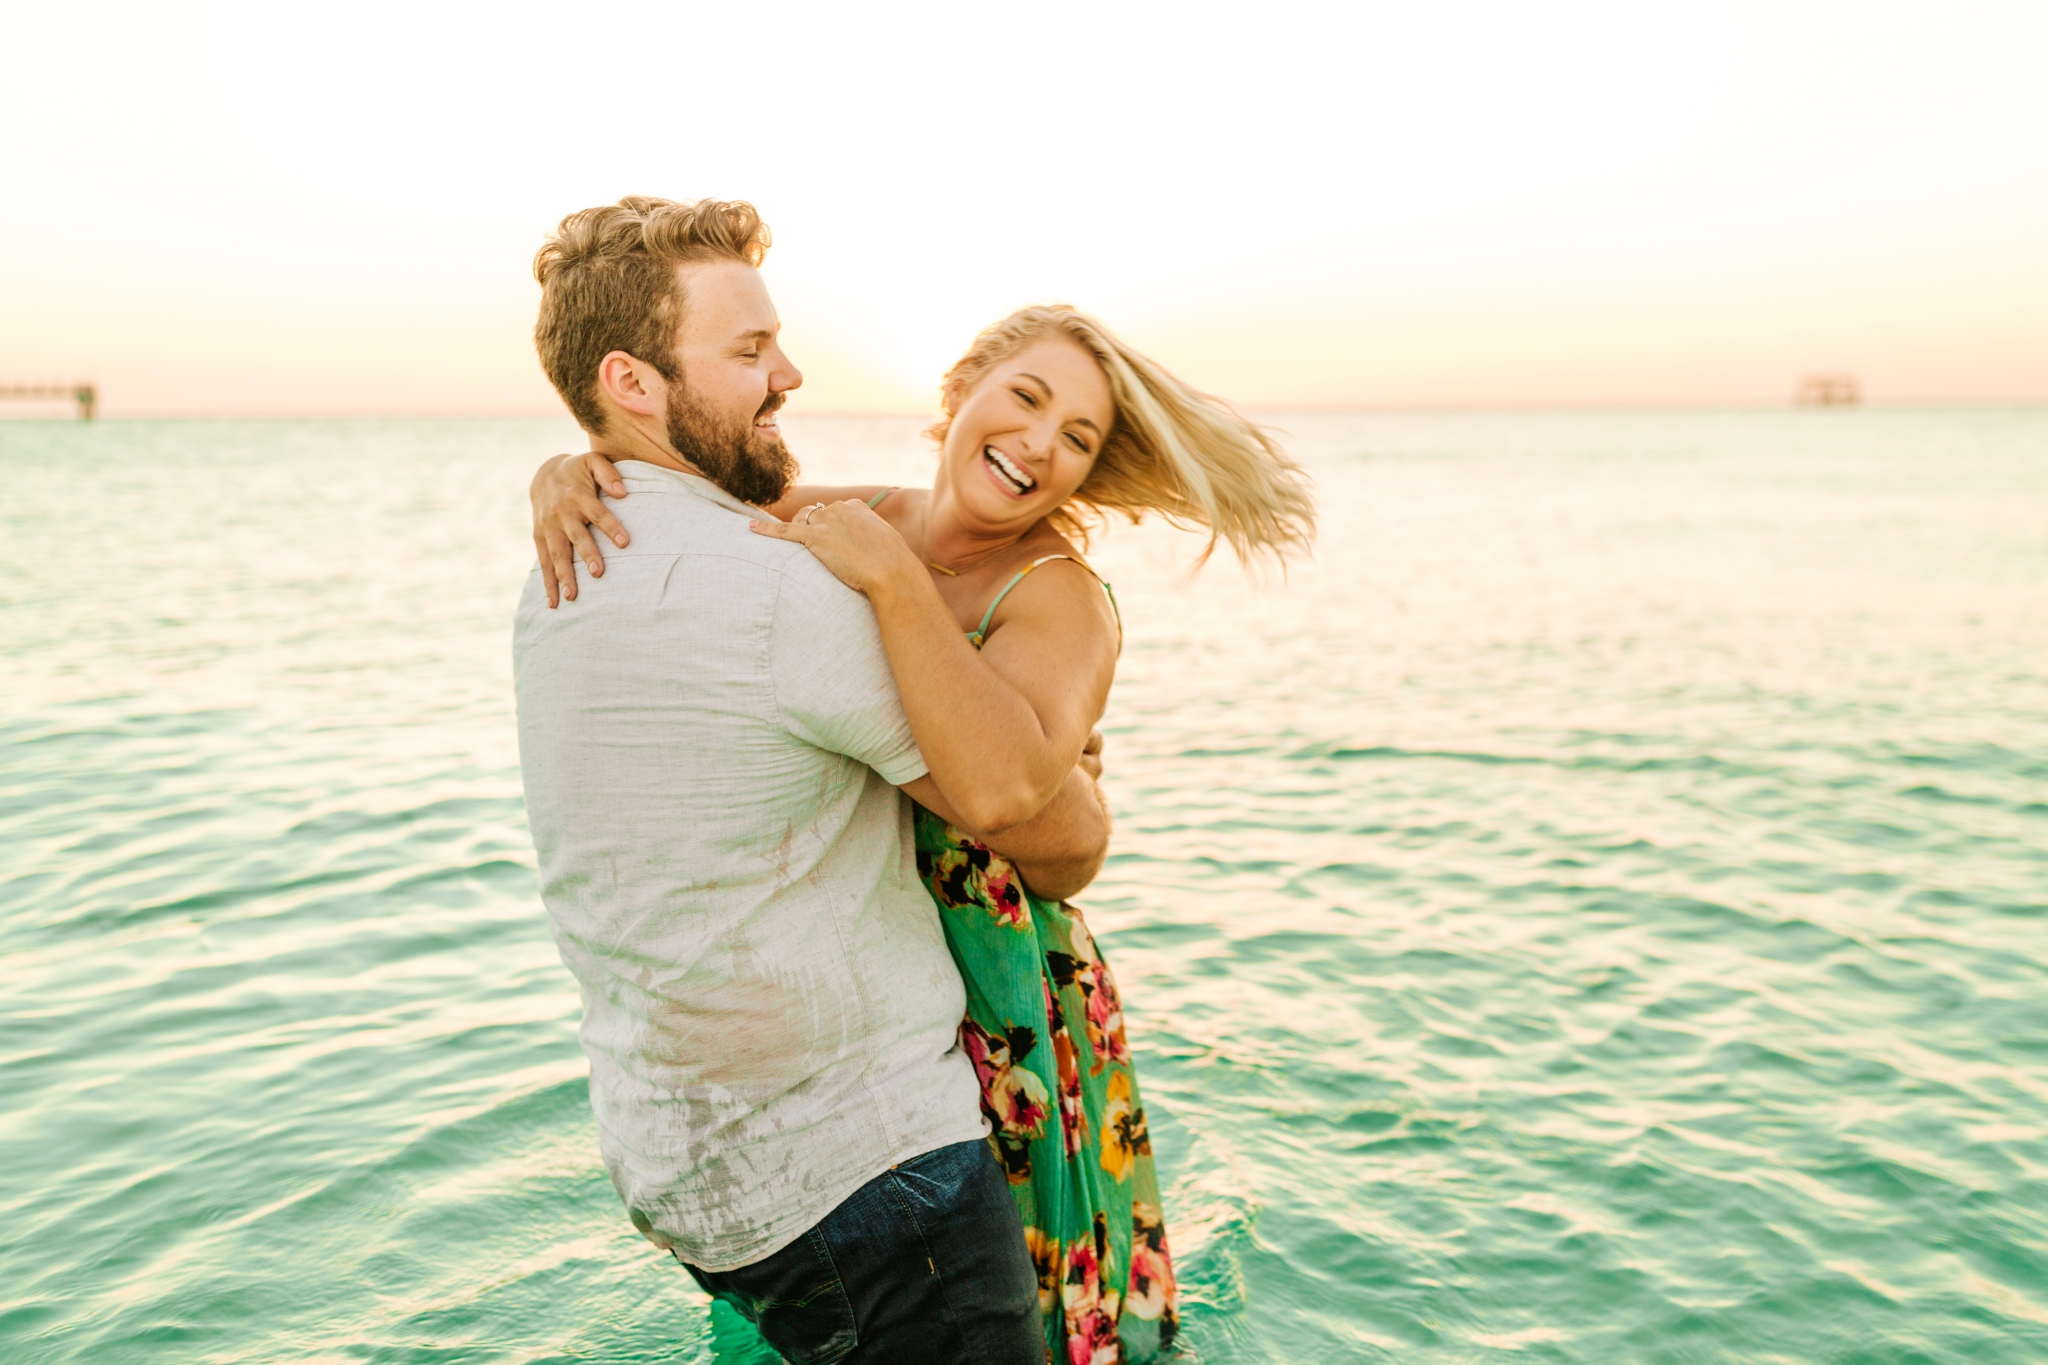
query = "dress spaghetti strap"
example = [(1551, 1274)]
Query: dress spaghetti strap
[(979, 634), (878, 499)]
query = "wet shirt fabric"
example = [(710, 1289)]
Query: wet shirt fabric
[(710, 739)]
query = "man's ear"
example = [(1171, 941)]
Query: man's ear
[(632, 384)]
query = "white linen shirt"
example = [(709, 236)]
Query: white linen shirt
[(709, 735)]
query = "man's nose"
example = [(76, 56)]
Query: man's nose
[(785, 377)]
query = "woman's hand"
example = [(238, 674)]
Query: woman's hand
[(863, 551), (995, 760), (565, 507)]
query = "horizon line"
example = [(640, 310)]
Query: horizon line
[(1276, 409)]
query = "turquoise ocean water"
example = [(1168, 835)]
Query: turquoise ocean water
[(1597, 911)]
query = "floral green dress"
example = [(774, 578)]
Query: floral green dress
[(1045, 1029)]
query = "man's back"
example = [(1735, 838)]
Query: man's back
[(709, 735)]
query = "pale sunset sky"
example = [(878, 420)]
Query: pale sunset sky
[(332, 208)]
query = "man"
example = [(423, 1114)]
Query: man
[(713, 747)]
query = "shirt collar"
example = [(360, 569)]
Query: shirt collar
[(695, 483)]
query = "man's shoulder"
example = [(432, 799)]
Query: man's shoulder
[(663, 520), (808, 589), (667, 518)]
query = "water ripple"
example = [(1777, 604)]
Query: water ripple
[(1595, 912)]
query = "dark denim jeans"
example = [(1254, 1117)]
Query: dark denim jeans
[(924, 1264)]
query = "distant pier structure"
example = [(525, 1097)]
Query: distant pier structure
[(1828, 391), (86, 395)]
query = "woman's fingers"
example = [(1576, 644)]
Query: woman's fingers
[(566, 506), (605, 475), (808, 522), (845, 514), (547, 571), (609, 524), (586, 546), (562, 555), (780, 530), (847, 538), (576, 518)]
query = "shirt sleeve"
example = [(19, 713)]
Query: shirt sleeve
[(831, 679)]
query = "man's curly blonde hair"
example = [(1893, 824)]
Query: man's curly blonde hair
[(608, 282), (1172, 450)]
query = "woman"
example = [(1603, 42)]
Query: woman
[(1003, 643)]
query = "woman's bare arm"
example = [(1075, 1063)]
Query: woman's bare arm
[(1000, 727), (1057, 851)]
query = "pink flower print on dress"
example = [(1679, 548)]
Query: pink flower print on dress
[(1103, 1006), (1006, 894), (1012, 1097), (972, 875), (1090, 1309), (1073, 1111), (1152, 1293)]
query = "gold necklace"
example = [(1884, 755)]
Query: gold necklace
[(925, 529), (925, 534)]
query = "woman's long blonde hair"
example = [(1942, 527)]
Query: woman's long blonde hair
[(1183, 454)]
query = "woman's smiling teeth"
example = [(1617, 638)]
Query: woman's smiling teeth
[(1008, 473)]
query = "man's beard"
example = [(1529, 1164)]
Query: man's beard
[(752, 467)]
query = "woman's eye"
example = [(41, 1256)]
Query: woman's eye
[(1026, 396), (1079, 444)]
